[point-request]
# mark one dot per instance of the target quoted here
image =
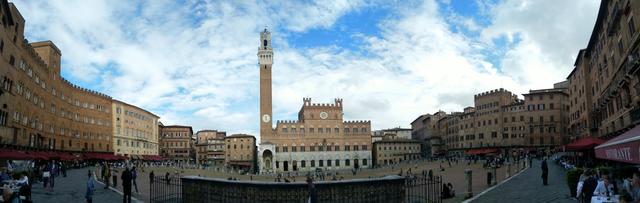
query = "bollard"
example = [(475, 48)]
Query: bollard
[(468, 174), (508, 170), (495, 176)]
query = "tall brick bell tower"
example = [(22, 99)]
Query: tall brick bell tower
[(265, 56)]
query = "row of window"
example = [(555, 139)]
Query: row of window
[(488, 105), (21, 90), (540, 97), (177, 134), (176, 144), (321, 148), (134, 132), (399, 148), (35, 123), (133, 114), (137, 144), (321, 163), (473, 137), (324, 130)]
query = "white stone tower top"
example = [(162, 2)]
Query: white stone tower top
[(265, 53)]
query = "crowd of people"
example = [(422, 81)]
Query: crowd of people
[(600, 183)]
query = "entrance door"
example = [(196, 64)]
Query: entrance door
[(286, 166)]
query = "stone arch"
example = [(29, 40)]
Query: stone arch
[(267, 159)]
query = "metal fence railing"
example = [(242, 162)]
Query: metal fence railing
[(165, 189), (423, 189), (384, 190)]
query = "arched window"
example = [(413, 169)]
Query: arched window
[(265, 43)]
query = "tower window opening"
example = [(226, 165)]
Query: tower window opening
[(265, 43)]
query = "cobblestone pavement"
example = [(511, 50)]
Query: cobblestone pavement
[(527, 187), (72, 189)]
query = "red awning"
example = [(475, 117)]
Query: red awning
[(623, 148), (39, 155), (15, 155), (584, 144), (481, 151), (152, 157)]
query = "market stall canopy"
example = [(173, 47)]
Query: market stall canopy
[(481, 151), (624, 148), (15, 155), (584, 144), (152, 157)]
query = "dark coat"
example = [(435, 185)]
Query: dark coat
[(126, 180), (588, 187), (545, 168)]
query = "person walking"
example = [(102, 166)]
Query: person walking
[(166, 177), (90, 188), (313, 193), (151, 176), (54, 173), (134, 175), (106, 175), (545, 172), (46, 176), (126, 185)]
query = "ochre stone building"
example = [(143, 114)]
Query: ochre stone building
[(210, 147), (604, 86), (38, 107), (319, 139), (392, 149), (240, 153), (500, 120), (135, 130), (176, 143)]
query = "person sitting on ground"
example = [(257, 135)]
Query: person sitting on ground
[(446, 193), (451, 190)]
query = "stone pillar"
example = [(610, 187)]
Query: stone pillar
[(495, 176), (508, 170), (468, 174)]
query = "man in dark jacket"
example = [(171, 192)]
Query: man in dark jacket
[(589, 185), (545, 172), (126, 185), (313, 193)]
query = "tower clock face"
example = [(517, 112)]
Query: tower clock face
[(266, 118), (324, 115)]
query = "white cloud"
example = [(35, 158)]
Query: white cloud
[(549, 37)]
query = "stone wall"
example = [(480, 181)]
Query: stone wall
[(199, 189)]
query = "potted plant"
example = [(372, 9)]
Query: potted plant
[(573, 176)]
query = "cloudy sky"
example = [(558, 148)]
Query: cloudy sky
[(194, 63)]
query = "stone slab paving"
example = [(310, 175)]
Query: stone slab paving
[(527, 187), (72, 189)]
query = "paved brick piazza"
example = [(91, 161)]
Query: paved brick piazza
[(527, 187), (72, 189), (453, 174)]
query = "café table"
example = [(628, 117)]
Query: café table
[(604, 199)]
